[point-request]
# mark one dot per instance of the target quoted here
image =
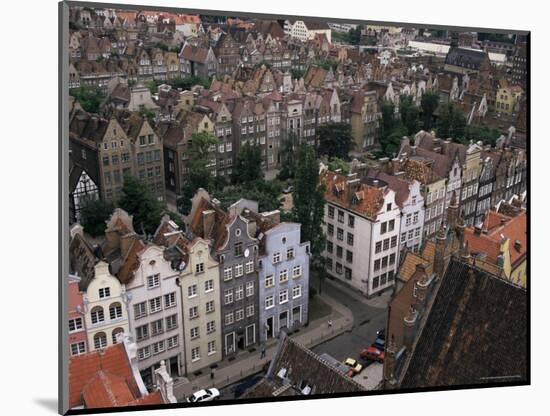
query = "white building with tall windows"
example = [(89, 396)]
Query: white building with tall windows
[(105, 308), (362, 224)]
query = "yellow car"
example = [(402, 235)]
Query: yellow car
[(354, 366)]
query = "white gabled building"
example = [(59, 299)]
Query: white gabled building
[(362, 224)]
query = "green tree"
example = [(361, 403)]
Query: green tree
[(429, 103), (138, 201), (148, 114), (90, 97), (336, 163), (153, 85), (287, 154), (355, 35), (390, 144), (335, 139), (388, 118), (486, 134), (199, 174), (409, 114), (93, 214), (451, 122), (267, 194), (296, 73), (309, 206), (249, 164)]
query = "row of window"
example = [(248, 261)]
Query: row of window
[(411, 234), (98, 315), (100, 339), (154, 305), (148, 157), (385, 244), (194, 332), (387, 226), (196, 351), (156, 327), (239, 270), (384, 261), (341, 216), (238, 315), (116, 159), (157, 347), (283, 296), (339, 268), (383, 279), (192, 290), (411, 218), (340, 251), (283, 276), (277, 255), (231, 295)]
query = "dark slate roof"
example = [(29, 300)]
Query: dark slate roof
[(466, 58), (476, 332), (303, 367)]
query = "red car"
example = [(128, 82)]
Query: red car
[(372, 353)]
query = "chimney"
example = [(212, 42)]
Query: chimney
[(409, 326), (208, 219)]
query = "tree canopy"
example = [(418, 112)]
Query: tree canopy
[(336, 163), (287, 154), (93, 215), (267, 194), (409, 114), (90, 97), (335, 139), (429, 103), (249, 164), (451, 122)]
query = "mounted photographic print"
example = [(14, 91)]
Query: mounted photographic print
[(266, 208)]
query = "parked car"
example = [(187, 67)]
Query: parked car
[(354, 367), (372, 353), (206, 395), (381, 333), (379, 343)]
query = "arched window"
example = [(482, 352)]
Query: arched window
[(100, 340), (115, 332), (115, 311), (97, 315)]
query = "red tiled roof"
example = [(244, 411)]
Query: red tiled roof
[(102, 378)]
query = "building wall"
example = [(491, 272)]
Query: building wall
[(92, 299), (434, 195), (280, 239), (199, 253), (114, 146), (519, 274), (412, 219), (168, 343), (77, 335)]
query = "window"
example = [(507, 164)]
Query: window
[(192, 291), (289, 253), (269, 281), (157, 327), (249, 267), (199, 268), (227, 273), (375, 282), (383, 227), (386, 244), (105, 160), (171, 322), (158, 347), (391, 225), (376, 265), (276, 257), (104, 292), (410, 234), (229, 318), (142, 140), (155, 305), (338, 268), (211, 347), (172, 342), (144, 353), (238, 249), (78, 348), (269, 302), (140, 310), (415, 217), (115, 311), (351, 221), (209, 285), (296, 291), (283, 296), (193, 312), (394, 241), (210, 306), (392, 258), (378, 247), (170, 300), (249, 311), (296, 271), (331, 211), (100, 340), (403, 237), (97, 315), (385, 261), (350, 239), (228, 296), (283, 276), (153, 281), (340, 234), (195, 354), (349, 256), (249, 289), (330, 229), (340, 216), (238, 270), (75, 324), (347, 273), (239, 293), (194, 332), (239, 315), (210, 327)]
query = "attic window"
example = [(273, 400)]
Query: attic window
[(152, 263)]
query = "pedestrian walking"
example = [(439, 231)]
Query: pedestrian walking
[(330, 323), (262, 353)]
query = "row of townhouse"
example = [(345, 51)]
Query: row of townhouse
[(374, 216), (189, 301)]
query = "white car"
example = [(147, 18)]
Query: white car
[(204, 396)]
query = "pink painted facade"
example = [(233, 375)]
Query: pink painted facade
[(77, 324)]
